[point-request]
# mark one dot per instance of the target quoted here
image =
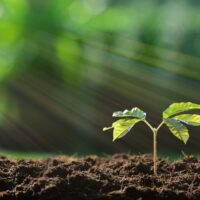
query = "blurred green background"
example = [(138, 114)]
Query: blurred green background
[(66, 65)]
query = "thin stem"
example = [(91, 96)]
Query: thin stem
[(155, 131), (160, 125), (155, 151), (149, 125)]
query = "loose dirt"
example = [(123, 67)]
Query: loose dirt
[(120, 177)]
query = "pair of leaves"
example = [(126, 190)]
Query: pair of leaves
[(129, 119), (174, 123)]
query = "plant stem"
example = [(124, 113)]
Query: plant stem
[(155, 131), (155, 151), (160, 126), (149, 125)]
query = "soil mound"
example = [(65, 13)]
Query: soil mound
[(120, 177)]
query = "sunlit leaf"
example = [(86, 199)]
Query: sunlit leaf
[(178, 129), (190, 119), (135, 112), (122, 127), (176, 108)]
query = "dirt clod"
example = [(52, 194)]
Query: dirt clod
[(120, 177)]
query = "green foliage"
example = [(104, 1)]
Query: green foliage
[(122, 127), (174, 123), (189, 119), (178, 129), (135, 112), (176, 108)]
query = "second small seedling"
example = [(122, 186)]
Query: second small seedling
[(174, 122)]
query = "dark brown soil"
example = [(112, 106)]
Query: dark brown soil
[(120, 177)]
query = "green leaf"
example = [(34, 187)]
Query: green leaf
[(176, 108), (135, 112), (189, 119), (122, 127), (178, 129)]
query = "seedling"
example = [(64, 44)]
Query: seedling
[(171, 118)]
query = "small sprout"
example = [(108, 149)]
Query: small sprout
[(171, 118)]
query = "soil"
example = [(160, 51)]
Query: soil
[(120, 177)]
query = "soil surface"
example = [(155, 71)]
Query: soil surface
[(120, 177)]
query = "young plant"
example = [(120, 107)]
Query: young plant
[(171, 117)]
